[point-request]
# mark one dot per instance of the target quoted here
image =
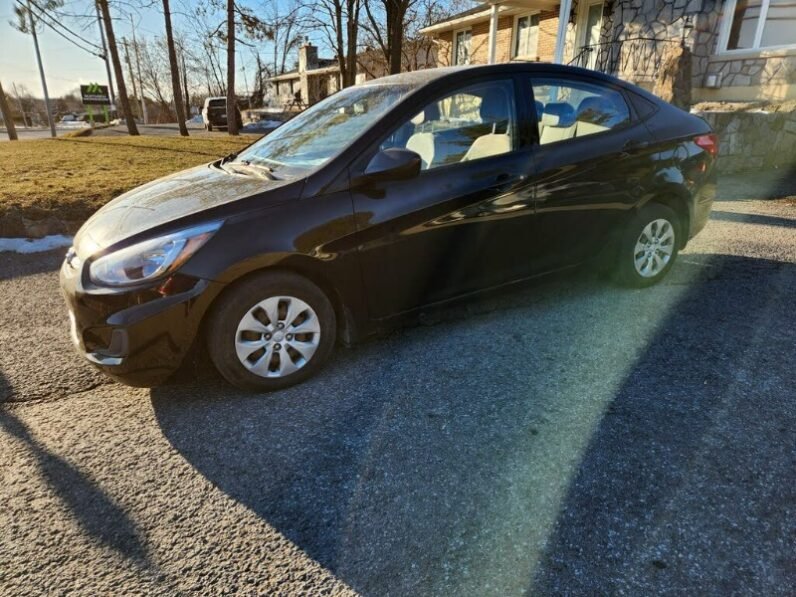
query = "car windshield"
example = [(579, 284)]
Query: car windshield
[(318, 134)]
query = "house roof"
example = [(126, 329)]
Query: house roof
[(481, 13), (325, 66)]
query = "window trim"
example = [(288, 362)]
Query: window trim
[(515, 31), (726, 26), (456, 46)]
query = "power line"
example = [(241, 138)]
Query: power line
[(77, 35), (52, 28)]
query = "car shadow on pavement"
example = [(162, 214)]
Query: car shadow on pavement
[(570, 437), (744, 218), (93, 510)]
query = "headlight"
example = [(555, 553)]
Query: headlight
[(150, 259)]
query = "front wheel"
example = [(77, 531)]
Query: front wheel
[(271, 331), (648, 247)]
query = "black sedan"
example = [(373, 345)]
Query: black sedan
[(382, 199)]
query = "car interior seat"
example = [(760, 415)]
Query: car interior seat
[(595, 115), (422, 140), (495, 112), (559, 122)]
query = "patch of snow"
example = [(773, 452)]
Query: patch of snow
[(35, 245), (195, 120)]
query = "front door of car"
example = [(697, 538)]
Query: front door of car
[(454, 228), (592, 162)]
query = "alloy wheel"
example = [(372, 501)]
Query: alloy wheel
[(654, 248)]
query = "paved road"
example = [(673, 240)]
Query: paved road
[(36, 133), (159, 130), (568, 437)]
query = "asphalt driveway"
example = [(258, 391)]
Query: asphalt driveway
[(563, 437)]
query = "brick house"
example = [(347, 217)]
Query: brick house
[(316, 78), (741, 50)]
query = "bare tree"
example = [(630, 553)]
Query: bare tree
[(155, 72), (7, 119), (117, 68), (338, 21), (175, 71), (387, 21)]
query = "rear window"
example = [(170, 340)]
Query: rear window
[(217, 103), (570, 108)]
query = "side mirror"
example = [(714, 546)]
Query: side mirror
[(390, 164)]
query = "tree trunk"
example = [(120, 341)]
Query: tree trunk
[(185, 84), (5, 110), (117, 68), (121, 88), (395, 30), (232, 116), (176, 92)]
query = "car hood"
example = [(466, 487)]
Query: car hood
[(164, 200)]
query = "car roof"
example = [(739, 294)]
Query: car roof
[(420, 78)]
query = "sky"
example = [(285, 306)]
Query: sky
[(66, 66)]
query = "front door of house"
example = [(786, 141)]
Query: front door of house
[(590, 22)]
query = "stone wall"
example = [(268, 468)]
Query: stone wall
[(754, 140), (754, 75)]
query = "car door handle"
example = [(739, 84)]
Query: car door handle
[(632, 144), (505, 180)]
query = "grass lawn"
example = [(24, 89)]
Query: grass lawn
[(71, 177)]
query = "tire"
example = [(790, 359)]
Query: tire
[(249, 349), (209, 128), (648, 247)]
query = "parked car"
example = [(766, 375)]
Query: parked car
[(214, 113), (382, 199)]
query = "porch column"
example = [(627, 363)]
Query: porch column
[(493, 25), (561, 38)]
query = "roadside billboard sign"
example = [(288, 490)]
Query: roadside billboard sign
[(95, 95)]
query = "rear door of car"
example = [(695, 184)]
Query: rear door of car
[(456, 227), (592, 162)]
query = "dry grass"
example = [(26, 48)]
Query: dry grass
[(70, 178)]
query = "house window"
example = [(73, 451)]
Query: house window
[(758, 24), (526, 36), (461, 47)]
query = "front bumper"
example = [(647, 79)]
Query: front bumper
[(138, 336)]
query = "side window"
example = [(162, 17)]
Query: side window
[(476, 122), (567, 109)]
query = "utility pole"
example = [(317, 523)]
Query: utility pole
[(105, 56), (129, 66), (245, 80), (185, 84), (6, 112), (41, 72), (138, 68)]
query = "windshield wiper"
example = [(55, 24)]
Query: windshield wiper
[(229, 157)]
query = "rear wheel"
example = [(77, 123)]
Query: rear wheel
[(272, 331), (648, 247), (209, 128)]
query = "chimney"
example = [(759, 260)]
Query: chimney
[(308, 57)]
